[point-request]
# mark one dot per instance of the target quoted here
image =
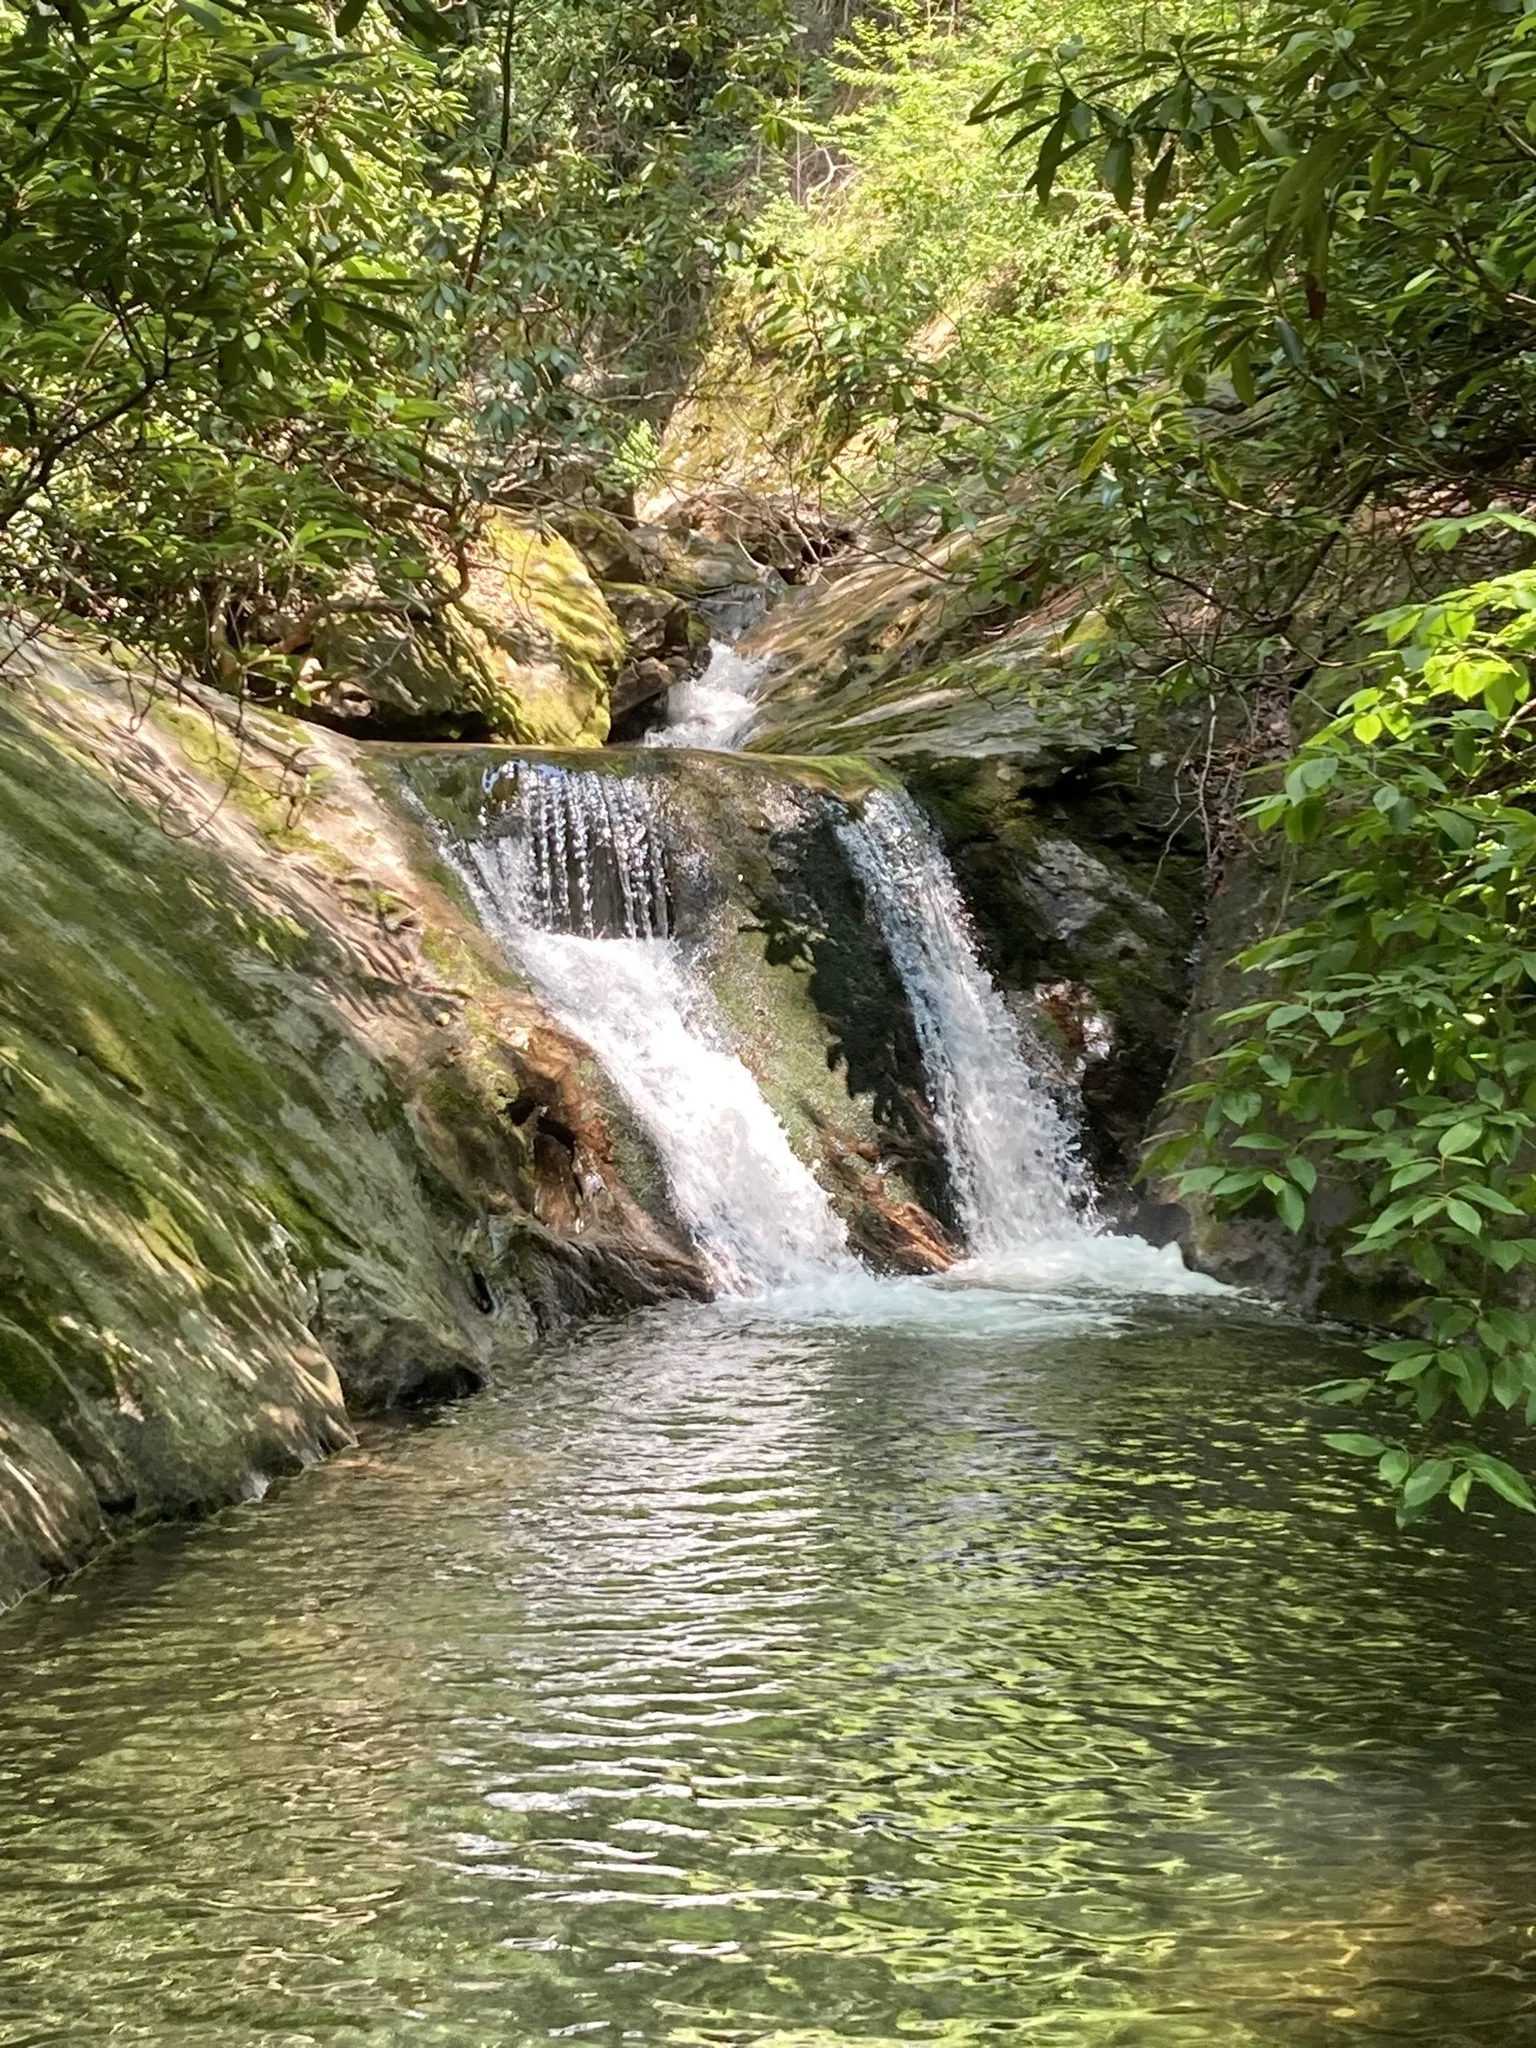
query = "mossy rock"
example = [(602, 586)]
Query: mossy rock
[(528, 654), (259, 1161), (433, 677)]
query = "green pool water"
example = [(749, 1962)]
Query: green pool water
[(965, 1668)]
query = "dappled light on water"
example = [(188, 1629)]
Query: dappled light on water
[(1000, 1664)]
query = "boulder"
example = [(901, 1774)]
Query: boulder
[(283, 1137), (611, 547), (783, 533), (654, 621), (529, 653)]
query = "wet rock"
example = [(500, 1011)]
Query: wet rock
[(642, 683), (267, 1096), (781, 532), (653, 621), (720, 579)]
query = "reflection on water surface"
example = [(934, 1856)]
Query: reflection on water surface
[(1020, 1677)]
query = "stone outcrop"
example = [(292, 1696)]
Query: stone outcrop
[(566, 634), (1088, 893), (529, 652), (281, 1136)]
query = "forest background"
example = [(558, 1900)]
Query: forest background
[(1210, 327)]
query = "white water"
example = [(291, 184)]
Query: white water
[(759, 1218), (574, 877), (1013, 1158), (715, 709)]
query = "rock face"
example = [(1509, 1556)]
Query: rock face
[(281, 1137), (906, 655), (782, 532)]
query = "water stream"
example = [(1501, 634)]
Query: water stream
[(575, 876), (715, 709), (1013, 1155), (575, 883)]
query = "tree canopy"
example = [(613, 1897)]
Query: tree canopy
[(287, 292)]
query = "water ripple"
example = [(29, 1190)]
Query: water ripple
[(731, 1680)]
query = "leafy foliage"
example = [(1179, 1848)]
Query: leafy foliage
[(889, 316), (288, 294), (1399, 1051)]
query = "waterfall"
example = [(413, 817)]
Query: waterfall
[(576, 852), (1013, 1158), (715, 709), (573, 876)]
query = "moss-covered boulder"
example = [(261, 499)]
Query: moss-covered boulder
[(528, 653), (281, 1135), (431, 677)]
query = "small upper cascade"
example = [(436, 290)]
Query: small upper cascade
[(579, 852), (1013, 1158), (573, 876), (714, 710)]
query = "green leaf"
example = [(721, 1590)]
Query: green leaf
[(1225, 145), (1355, 1445), (1427, 1479), (1157, 183), (1116, 172), (1503, 1479), (1344, 1393)]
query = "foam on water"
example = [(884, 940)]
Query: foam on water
[(1061, 1285), (715, 709)]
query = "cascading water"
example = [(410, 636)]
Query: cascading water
[(576, 852), (1013, 1158), (573, 877), (715, 709)]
